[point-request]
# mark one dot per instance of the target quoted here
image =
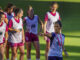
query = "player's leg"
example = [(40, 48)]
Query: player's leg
[(8, 46), (28, 46), (21, 48), (35, 41), (1, 52), (14, 52), (37, 47), (47, 48), (7, 51)]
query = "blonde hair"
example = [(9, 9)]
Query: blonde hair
[(29, 7)]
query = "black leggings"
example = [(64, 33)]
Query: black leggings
[(54, 58)]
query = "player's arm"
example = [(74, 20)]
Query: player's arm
[(24, 20), (13, 30), (63, 48), (41, 24), (59, 18), (65, 52), (6, 36), (49, 35), (23, 37), (6, 20), (45, 22), (24, 24)]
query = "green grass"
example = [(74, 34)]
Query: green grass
[(70, 15), (58, 0)]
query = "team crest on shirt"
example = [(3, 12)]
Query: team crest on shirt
[(33, 26)]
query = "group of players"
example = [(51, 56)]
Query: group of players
[(12, 34)]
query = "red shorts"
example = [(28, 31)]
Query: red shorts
[(1, 43), (16, 44), (30, 37)]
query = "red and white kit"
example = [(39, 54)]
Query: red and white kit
[(51, 18), (16, 37), (3, 29), (9, 18)]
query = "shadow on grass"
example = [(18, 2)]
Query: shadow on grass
[(64, 57), (75, 49), (70, 49), (31, 53), (71, 58), (72, 36), (42, 47)]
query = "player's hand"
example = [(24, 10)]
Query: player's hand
[(17, 30), (66, 54), (23, 40), (41, 34), (5, 43), (45, 38)]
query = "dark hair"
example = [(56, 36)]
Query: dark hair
[(53, 3), (59, 22), (14, 8), (1, 13), (17, 10), (10, 5)]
